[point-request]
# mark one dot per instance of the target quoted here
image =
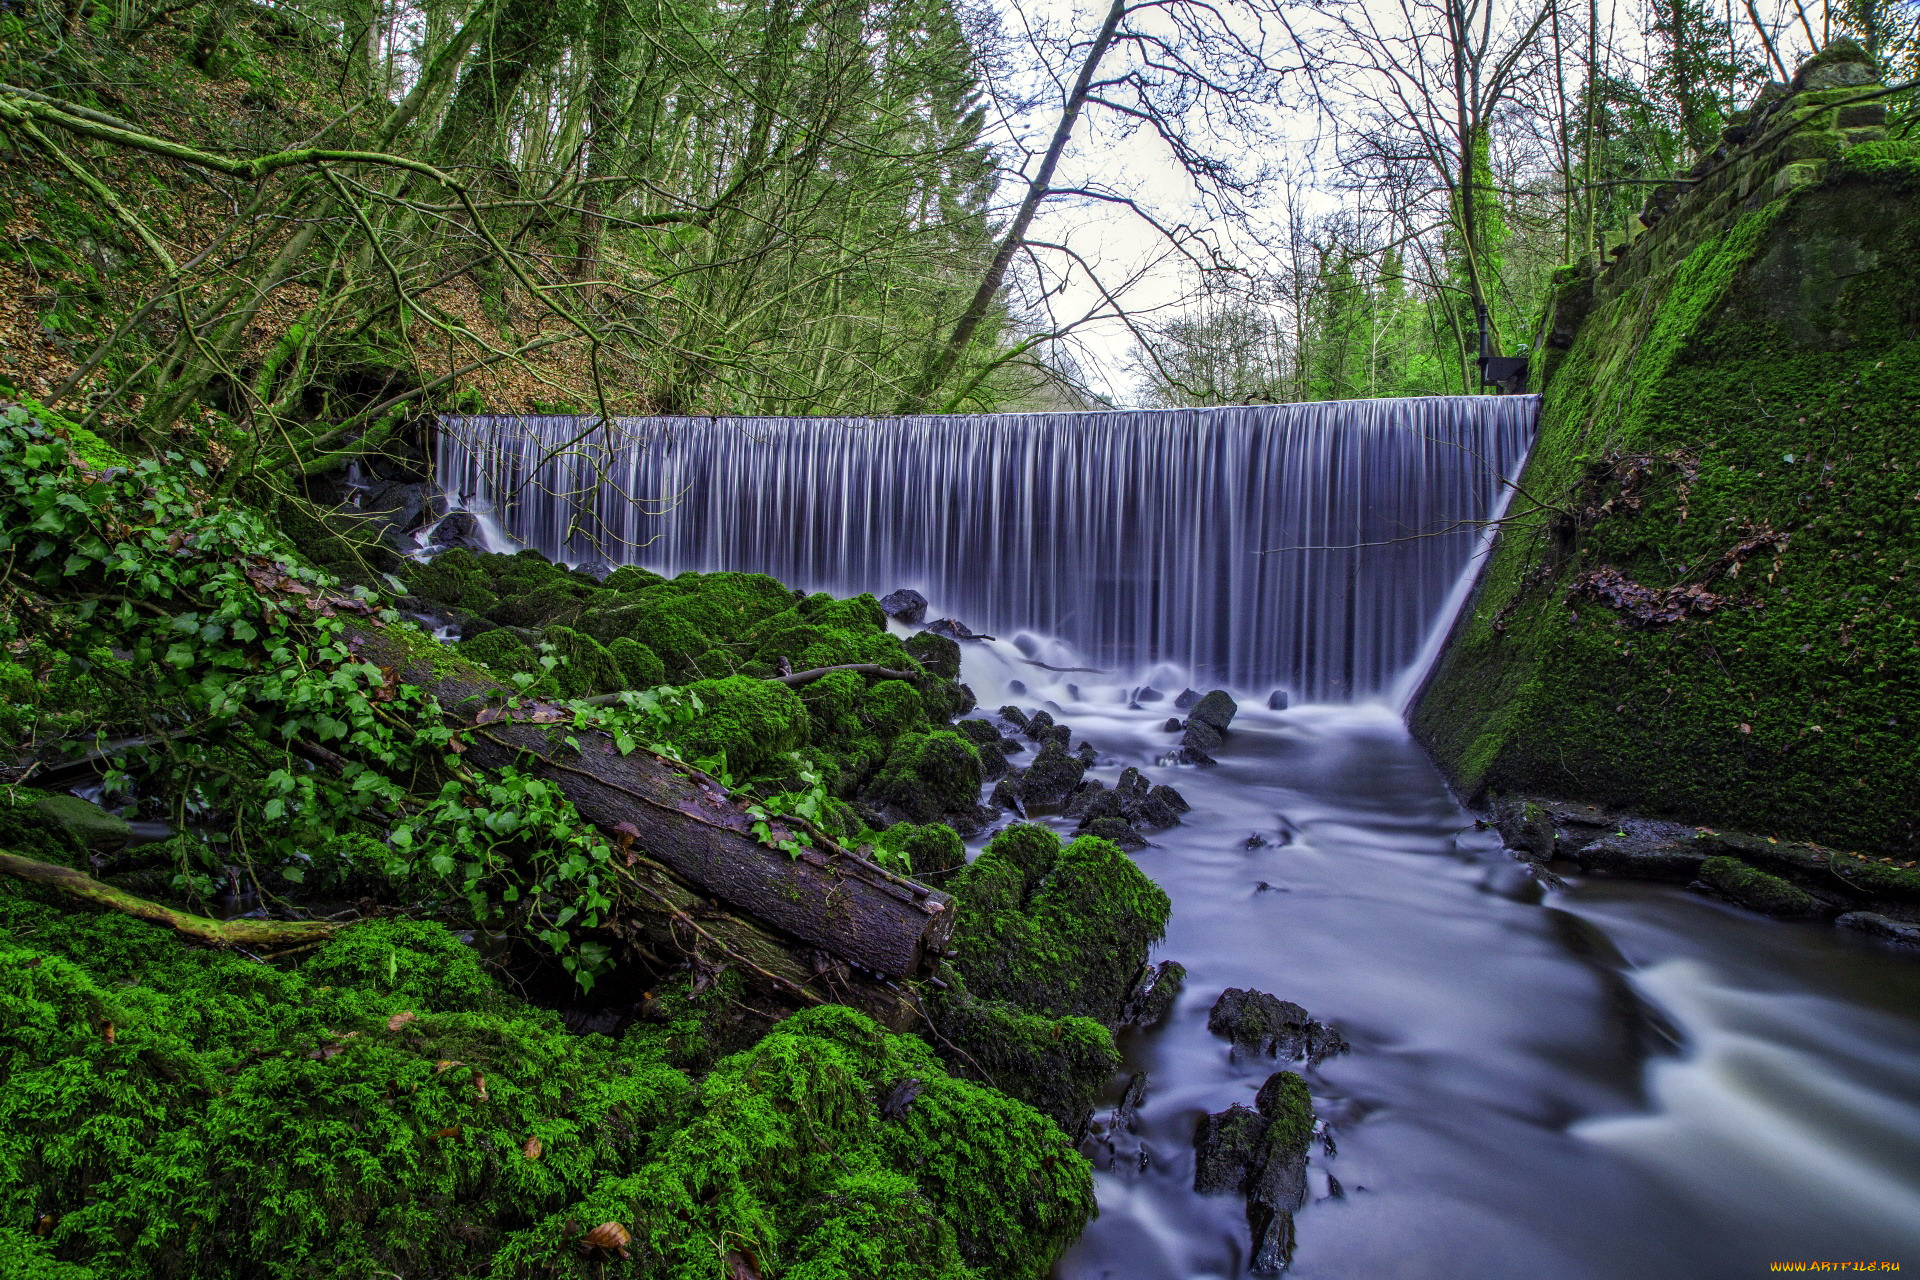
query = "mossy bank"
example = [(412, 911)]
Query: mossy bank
[(1704, 605)]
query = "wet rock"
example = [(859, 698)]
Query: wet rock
[(1131, 1100), (1254, 841), (1086, 752), (954, 629), (393, 511), (1162, 794), (1041, 728), (905, 605), (936, 653), (1226, 1147), (1514, 883), (460, 529), (1260, 1023), (1261, 1152), (1154, 994), (1147, 693), (1018, 688), (1881, 926), (1642, 855), (1277, 700), (1006, 795), (1173, 725), (1132, 787), (1092, 799), (1743, 886), (97, 831), (1052, 776), (1217, 708), (1199, 742), (1186, 698), (1016, 717), (1118, 830)]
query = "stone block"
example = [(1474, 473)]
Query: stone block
[(1794, 176)]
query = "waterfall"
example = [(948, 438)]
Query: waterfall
[(1308, 547)]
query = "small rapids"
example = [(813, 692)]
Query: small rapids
[(1609, 1079)]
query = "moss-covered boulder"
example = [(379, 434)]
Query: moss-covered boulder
[(501, 651), (1755, 889), (929, 776), (750, 721), (640, 667), (1061, 930), (585, 667)]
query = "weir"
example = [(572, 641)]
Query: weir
[(1306, 547)]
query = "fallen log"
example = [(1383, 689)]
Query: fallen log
[(243, 933), (825, 896)]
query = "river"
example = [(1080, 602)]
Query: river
[(1600, 1079)]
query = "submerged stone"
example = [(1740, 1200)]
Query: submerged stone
[(1277, 700), (1259, 1023)]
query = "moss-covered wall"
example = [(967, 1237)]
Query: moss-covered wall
[(1705, 606)]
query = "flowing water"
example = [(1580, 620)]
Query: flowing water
[(1599, 1079)]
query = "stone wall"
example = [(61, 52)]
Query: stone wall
[(1704, 602)]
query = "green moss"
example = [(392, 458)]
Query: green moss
[(1057, 930), (501, 652), (28, 831), (929, 852), (536, 607), (1057, 1065), (631, 577), (927, 775), (752, 721), (1766, 383), (387, 1109), (832, 1145), (1878, 878), (1756, 889), (891, 708), (455, 579), (938, 654), (586, 668), (416, 961), (640, 667)]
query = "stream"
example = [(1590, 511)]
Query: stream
[(1605, 1079)]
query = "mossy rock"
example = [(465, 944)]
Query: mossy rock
[(1788, 706), (1057, 1065), (536, 607), (930, 852), (416, 961), (1754, 889), (640, 667), (29, 830), (1057, 930), (929, 775), (586, 668), (501, 652), (631, 577), (244, 1121), (455, 579), (892, 707), (752, 721), (938, 654)]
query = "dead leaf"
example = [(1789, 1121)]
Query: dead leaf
[(742, 1266), (400, 1020), (444, 1064), (480, 1085), (107, 1033), (608, 1235), (451, 1131), (531, 1148)]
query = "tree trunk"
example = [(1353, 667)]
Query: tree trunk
[(826, 896)]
